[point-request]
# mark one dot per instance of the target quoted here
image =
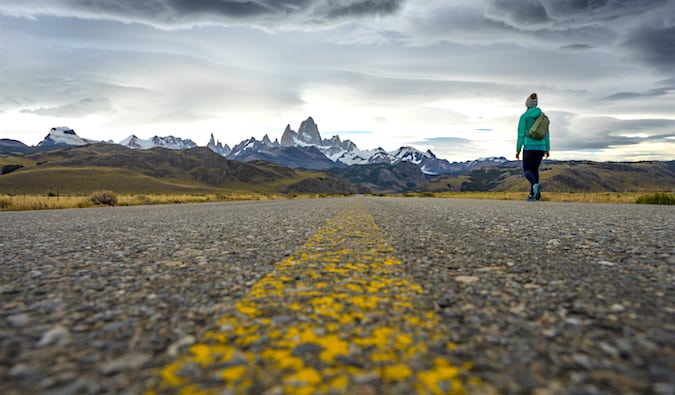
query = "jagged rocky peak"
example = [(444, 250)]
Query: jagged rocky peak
[(309, 132), (251, 144), (131, 142), (335, 140), (218, 147), (266, 140), (288, 137)]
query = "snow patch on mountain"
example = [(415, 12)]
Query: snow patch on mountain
[(63, 136), (169, 142), (250, 145)]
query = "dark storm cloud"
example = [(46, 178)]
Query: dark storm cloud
[(605, 133), (640, 95), (641, 28), (237, 9), (184, 13), (577, 47), (572, 12), (607, 141), (339, 9), (521, 12), (654, 45)]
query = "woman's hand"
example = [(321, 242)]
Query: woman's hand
[(518, 155), (547, 155)]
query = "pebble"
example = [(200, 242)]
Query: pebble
[(24, 372), (18, 320), (306, 348), (553, 243), (125, 362), (617, 308), (183, 342), (609, 349), (57, 335), (583, 360), (466, 279)]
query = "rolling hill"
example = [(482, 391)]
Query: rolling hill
[(94, 167), (566, 176), (88, 168)]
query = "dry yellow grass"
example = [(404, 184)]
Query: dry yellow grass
[(580, 197), (43, 202), (39, 202)]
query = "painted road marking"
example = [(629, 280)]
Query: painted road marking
[(338, 316)]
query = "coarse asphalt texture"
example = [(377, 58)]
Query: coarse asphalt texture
[(357, 295)]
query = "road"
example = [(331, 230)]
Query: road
[(349, 295)]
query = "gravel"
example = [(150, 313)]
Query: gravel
[(547, 298), (93, 300), (541, 298)]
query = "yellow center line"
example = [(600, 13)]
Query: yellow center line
[(338, 316)]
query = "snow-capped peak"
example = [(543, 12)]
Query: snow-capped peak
[(169, 142), (64, 136)]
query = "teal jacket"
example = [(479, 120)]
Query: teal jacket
[(526, 122)]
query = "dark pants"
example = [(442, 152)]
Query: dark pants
[(531, 163)]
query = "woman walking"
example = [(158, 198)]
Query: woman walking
[(534, 150)]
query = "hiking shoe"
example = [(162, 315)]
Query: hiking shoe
[(530, 198), (537, 191)]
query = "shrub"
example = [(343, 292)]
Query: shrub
[(657, 198), (103, 198), (6, 169)]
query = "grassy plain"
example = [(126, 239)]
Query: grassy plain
[(579, 197), (70, 178), (49, 202)]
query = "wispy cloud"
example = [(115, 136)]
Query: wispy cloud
[(450, 76), (80, 108), (170, 14)]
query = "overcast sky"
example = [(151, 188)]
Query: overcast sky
[(450, 76)]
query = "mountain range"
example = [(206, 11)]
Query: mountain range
[(304, 149), (93, 167), (87, 168), (302, 162)]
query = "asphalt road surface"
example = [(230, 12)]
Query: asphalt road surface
[(358, 295)]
